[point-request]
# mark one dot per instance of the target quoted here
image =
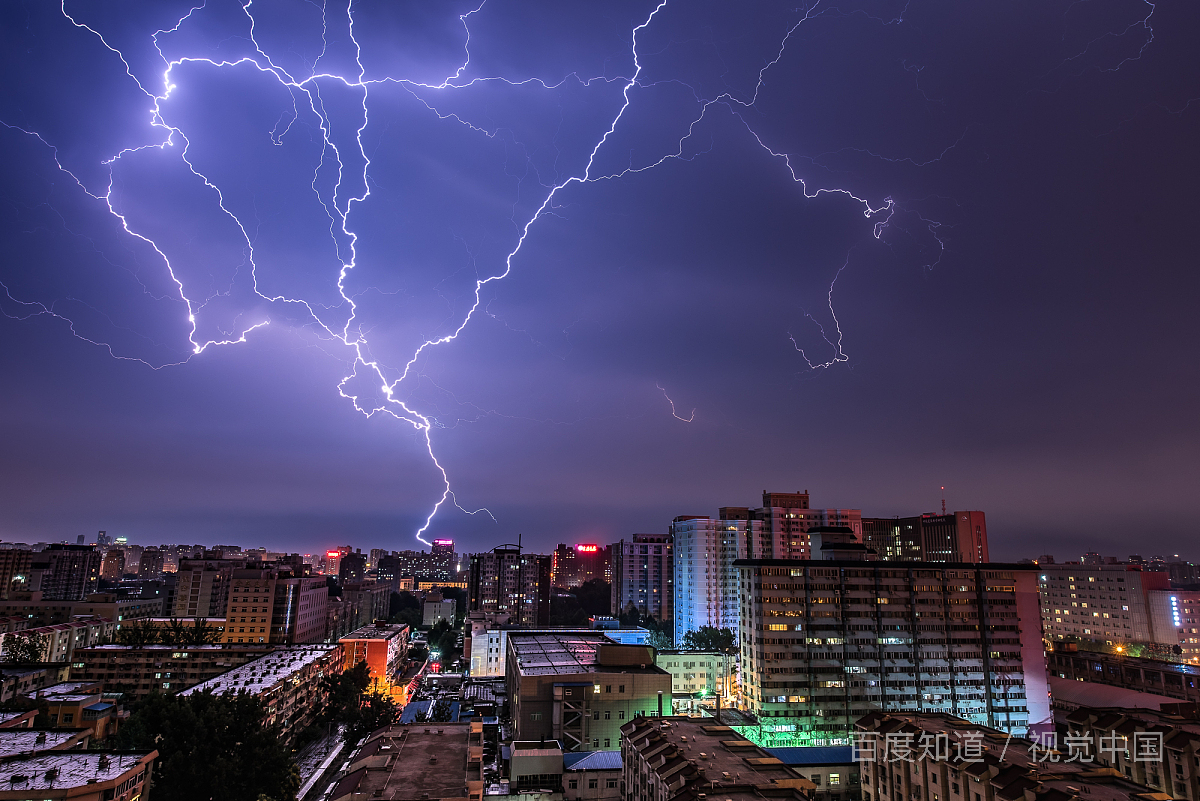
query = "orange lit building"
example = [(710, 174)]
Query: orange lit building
[(384, 647)]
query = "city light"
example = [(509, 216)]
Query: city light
[(587, 548)]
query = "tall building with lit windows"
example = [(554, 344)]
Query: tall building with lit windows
[(825, 642), (505, 580), (1102, 604), (643, 576), (954, 537)]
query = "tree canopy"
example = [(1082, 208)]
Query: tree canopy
[(211, 746), (709, 638), (21, 646)]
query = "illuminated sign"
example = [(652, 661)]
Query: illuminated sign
[(332, 554), (443, 542), (587, 548)]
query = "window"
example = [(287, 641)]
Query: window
[(593, 784), (573, 784), (596, 715), (621, 688), (620, 714), (835, 779), (608, 714), (606, 745), (535, 715), (608, 688), (610, 783), (596, 744)]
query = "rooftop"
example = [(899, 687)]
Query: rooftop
[(542, 653), (718, 751), (377, 632), (265, 672), (592, 760), (24, 741), (409, 762), (72, 768)]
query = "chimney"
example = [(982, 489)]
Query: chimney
[(660, 714)]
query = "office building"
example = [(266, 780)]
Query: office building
[(287, 681), (825, 642), (644, 576), (572, 565), (693, 758), (505, 580), (956, 537), (80, 776), (384, 647), (979, 764), (138, 671), (150, 566), (65, 572), (580, 687), (1104, 604)]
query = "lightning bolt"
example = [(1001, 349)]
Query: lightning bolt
[(341, 324)]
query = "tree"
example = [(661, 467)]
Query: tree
[(20, 646), (352, 701), (211, 746), (178, 632), (709, 638), (139, 633), (595, 597), (404, 607), (565, 610)]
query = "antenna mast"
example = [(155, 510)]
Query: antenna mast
[(943, 500)]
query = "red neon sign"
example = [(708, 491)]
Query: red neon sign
[(332, 554), (587, 548)]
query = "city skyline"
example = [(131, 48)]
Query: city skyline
[(602, 265)]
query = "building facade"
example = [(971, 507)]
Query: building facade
[(1106, 604), (644, 576), (571, 565), (505, 580), (384, 647), (65, 572), (956, 537), (825, 642), (141, 670)]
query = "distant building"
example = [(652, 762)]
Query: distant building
[(353, 567), (505, 580), (1104, 604), (644, 576), (119, 609), (79, 704), (150, 566), (484, 643), (579, 688), (202, 585), (1175, 619), (288, 681), (822, 644), (956, 537), (275, 605), (65, 572), (26, 680), (437, 609), (141, 670), (1150, 676), (60, 640), (112, 567), (14, 570), (572, 565), (81, 776)]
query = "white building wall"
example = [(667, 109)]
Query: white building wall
[(705, 581)]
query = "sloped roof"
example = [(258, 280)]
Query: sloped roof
[(592, 760)]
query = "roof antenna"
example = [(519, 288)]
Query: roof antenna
[(943, 500)]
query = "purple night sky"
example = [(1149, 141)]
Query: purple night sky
[(864, 248)]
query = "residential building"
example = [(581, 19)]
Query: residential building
[(705, 581), (112, 567), (825, 642), (15, 719), (507, 580), (80, 776), (1181, 682), (18, 741), (27, 680), (1175, 620), (644, 576), (968, 762), (1116, 738), (352, 567), (579, 687), (388, 571), (1103, 604), (485, 643), (408, 763), (697, 676), (288, 682), (268, 604), (832, 769), (14, 569), (60, 640), (150, 566), (368, 600), (79, 704), (298, 611), (65, 572), (384, 647), (117, 608), (138, 671), (437, 609), (689, 758), (955, 537), (202, 585), (571, 565)]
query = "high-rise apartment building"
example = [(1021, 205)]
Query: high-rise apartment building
[(353, 567), (113, 565), (644, 576), (1105, 604), (956, 537), (507, 580), (571, 565), (823, 643), (65, 572), (150, 566), (202, 586), (14, 569), (275, 605)]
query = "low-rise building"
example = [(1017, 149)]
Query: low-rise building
[(421, 761), (831, 768), (18, 719), (939, 756), (679, 757), (1134, 673), (18, 741), (80, 776), (141, 670), (78, 704), (60, 640), (579, 688), (26, 680), (1152, 748), (592, 776), (697, 677), (437, 609), (287, 681), (384, 647)]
